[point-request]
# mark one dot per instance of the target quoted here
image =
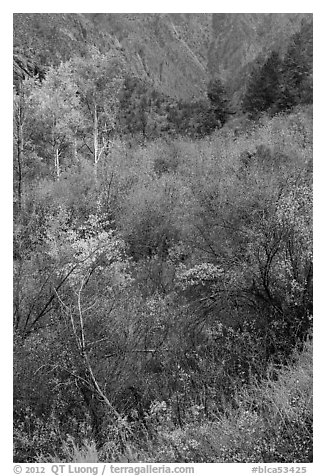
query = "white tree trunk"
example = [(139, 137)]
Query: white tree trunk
[(57, 163), (95, 135)]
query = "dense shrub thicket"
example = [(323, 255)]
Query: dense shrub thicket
[(162, 293), (270, 422)]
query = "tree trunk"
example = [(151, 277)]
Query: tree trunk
[(81, 343), (20, 154), (95, 141), (95, 135), (19, 118), (93, 406), (75, 151), (57, 163)]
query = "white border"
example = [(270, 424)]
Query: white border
[(319, 195)]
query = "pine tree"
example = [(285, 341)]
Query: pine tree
[(297, 85), (263, 90), (220, 103)]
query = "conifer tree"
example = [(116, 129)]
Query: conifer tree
[(297, 86), (263, 90), (220, 103)]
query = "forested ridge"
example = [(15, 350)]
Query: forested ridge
[(162, 255)]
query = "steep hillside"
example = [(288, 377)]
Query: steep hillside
[(178, 53), (44, 39), (239, 38), (170, 49), (51, 38)]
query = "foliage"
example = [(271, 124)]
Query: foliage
[(220, 102), (264, 86), (57, 119), (142, 110), (297, 69), (150, 114), (160, 303), (279, 84), (272, 422)]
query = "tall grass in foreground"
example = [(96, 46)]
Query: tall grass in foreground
[(271, 422)]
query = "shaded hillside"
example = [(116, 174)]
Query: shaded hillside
[(54, 37), (238, 38), (170, 49), (45, 39), (156, 46), (177, 53)]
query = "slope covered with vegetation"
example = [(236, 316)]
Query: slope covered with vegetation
[(162, 264), (271, 422), (178, 53)]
